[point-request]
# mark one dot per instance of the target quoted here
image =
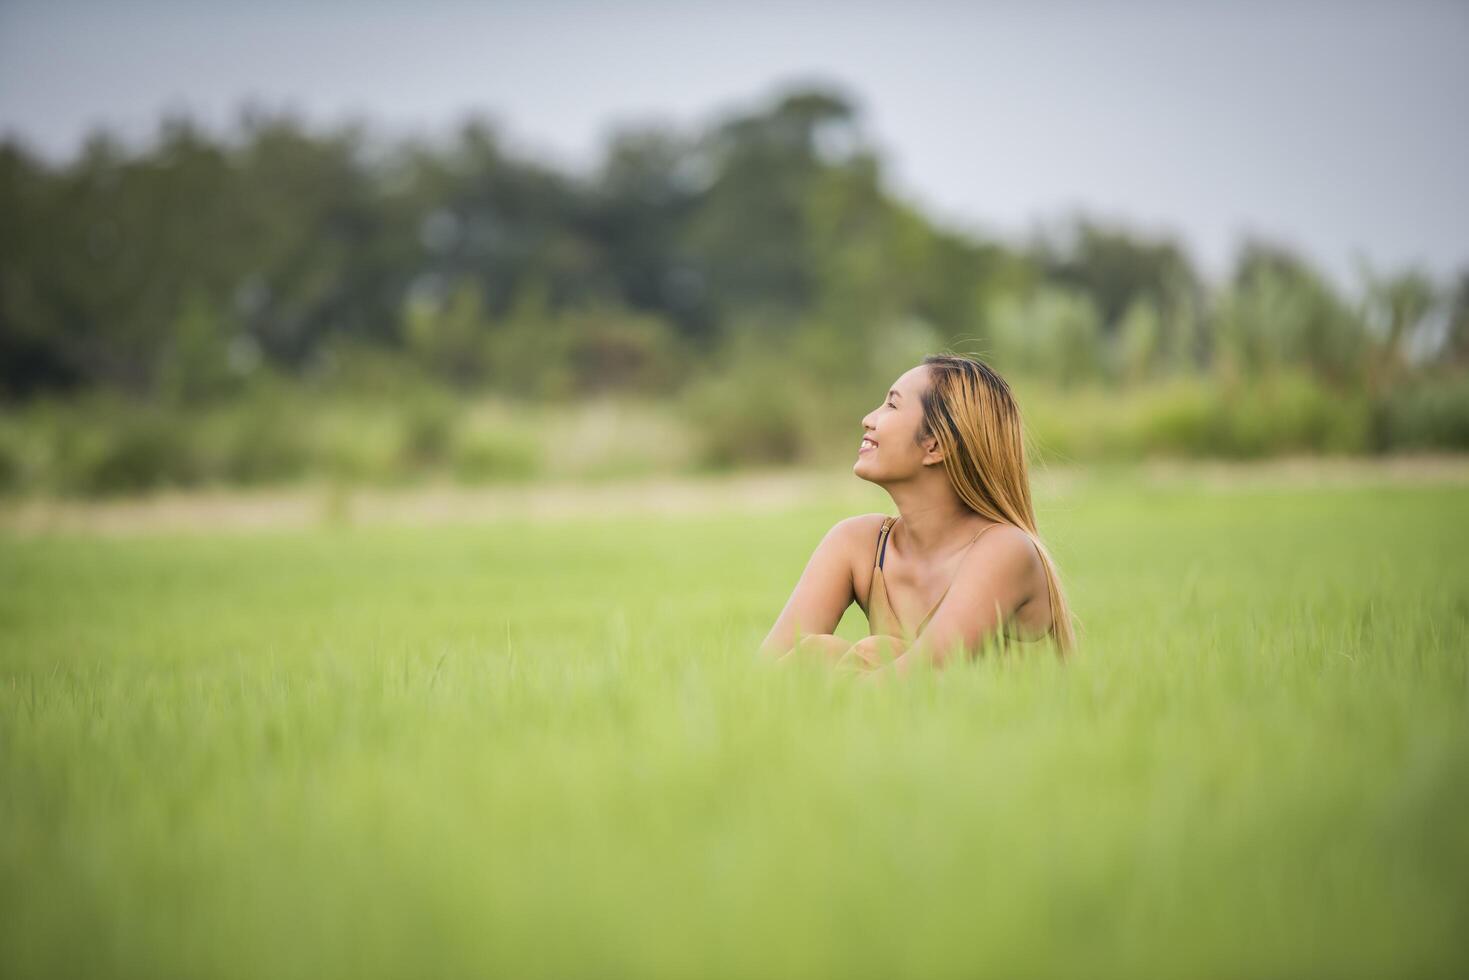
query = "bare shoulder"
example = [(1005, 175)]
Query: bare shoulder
[(862, 522), (853, 537), (857, 530), (1011, 551)]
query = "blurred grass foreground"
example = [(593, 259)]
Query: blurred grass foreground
[(542, 748), (277, 302)]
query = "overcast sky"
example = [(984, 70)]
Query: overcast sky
[(1340, 128)]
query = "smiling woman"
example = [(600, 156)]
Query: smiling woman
[(962, 560)]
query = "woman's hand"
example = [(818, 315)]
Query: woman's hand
[(871, 653), (822, 646)]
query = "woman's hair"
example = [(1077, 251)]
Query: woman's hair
[(970, 410)]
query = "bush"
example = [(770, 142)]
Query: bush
[(429, 421), (766, 408), (494, 442), (750, 415), (1431, 414), (256, 440), (120, 449), (1286, 413), (487, 456), (11, 468)]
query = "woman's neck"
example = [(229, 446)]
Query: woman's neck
[(931, 518)]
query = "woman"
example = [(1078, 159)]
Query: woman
[(947, 445)]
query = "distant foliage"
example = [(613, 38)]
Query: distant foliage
[(756, 276)]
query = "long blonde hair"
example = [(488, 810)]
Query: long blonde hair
[(970, 410)]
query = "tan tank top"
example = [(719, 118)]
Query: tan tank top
[(881, 618)]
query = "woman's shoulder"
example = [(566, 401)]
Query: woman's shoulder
[(859, 525), (855, 533), (1010, 549)]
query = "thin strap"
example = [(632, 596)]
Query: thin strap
[(978, 533), (882, 539)]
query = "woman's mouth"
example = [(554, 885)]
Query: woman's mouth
[(867, 445)]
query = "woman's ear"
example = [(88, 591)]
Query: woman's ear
[(932, 453)]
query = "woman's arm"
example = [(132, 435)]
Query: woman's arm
[(822, 594)]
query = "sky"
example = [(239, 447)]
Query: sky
[(1341, 129)]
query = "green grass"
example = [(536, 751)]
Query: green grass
[(543, 750)]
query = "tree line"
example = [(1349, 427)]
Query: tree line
[(181, 266)]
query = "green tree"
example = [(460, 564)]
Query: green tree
[(1456, 343), (1279, 312), (194, 365), (1397, 306), (449, 337)]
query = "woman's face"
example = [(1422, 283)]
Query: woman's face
[(888, 447)]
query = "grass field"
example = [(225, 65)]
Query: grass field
[(541, 748)]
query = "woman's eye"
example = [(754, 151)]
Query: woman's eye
[(891, 405)]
